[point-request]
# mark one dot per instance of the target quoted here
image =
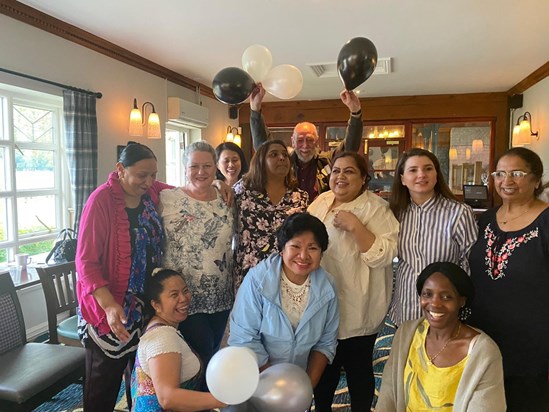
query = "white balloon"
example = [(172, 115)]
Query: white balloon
[(257, 61), (233, 375), (284, 81)]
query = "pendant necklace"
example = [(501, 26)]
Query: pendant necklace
[(504, 222), (431, 359)]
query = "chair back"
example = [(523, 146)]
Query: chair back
[(59, 284), (12, 324)]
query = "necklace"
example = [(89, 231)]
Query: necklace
[(432, 358), (504, 222), (296, 293)]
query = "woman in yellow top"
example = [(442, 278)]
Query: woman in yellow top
[(438, 362)]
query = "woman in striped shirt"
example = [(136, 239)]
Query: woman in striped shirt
[(434, 227)]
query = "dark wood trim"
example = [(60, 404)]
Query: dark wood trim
[(533, 78), (43, 21)]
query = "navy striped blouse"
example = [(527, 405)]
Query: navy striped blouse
[(439, 230)]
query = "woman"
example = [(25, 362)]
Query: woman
[(166, 369), (438, 362), (434, 227), (265, 196), (199, 229), (286, 309), (120, 244), (231, 163), (510, 265), (364, 240)]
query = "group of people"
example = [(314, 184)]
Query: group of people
[(301, 267)]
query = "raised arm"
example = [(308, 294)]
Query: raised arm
[(353, 134), (258, 128)]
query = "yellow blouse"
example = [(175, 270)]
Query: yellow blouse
[(427, 386)]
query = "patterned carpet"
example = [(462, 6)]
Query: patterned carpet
[(70, 400)]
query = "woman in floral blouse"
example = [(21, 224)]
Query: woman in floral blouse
[(199, 229), (265, 196)]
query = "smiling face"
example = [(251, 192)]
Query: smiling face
[(138, 178), (229, 165), (277, 161), (301, 255), (174, 300), (346, 181), (440, 301), (305, 141), (200, 171), (517, 189), (419, 177)]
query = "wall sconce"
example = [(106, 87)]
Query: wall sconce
[(453, 153), (477, 146), (233, 135), (137, 123), (522, 132)]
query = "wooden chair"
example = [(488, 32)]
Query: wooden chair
[(59, 285), (30, 373)]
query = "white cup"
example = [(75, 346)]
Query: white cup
[(22, 259)]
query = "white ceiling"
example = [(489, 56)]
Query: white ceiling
[(437, 46)]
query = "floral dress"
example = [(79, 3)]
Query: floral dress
[(258, 222)]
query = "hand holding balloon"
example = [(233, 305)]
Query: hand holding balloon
[(356, 62), (256, 98), (350, 99)]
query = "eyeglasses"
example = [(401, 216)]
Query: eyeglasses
[(513, 174)]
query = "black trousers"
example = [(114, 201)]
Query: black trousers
[(103, 379), (355, 356)]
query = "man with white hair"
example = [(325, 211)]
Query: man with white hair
[(312, 166)]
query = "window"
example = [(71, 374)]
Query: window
[(177, 139), (34, 190)]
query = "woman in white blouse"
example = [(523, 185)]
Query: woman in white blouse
[(363, 241), (166, 370), (199, 229)]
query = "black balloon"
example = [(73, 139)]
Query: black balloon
[(232, 85), (356, 62)]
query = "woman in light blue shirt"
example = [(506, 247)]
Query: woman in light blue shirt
[(286, 309)]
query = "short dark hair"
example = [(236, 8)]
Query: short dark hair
[(456, 275), (360, 163), (234, 148), (134, 152), (154, 286), (400, 195), (299, 223), (533, 161)]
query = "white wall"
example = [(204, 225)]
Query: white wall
[(41, 54), (37, 53), (536, 101)]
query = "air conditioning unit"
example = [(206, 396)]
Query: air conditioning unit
[(186, 113)]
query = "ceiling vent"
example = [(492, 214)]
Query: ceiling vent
[(323, 70)]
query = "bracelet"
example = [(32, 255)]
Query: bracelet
[(357, 113)]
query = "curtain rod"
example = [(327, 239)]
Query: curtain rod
[(64, 86)]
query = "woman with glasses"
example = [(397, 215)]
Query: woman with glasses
[(510, 270)]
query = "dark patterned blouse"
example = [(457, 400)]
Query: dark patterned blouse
[(510, 271)]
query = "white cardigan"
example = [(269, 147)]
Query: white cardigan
[(480, 388)]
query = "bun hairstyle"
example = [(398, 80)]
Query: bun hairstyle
[(133, 153), (154, 286)]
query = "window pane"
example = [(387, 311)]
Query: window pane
[(36, 214), (37, 248), (3, 256), (3, 219), (3, 168), (3, 123), (32, 124), (34, 169)]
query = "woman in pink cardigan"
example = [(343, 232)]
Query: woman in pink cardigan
[(120, 239)]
